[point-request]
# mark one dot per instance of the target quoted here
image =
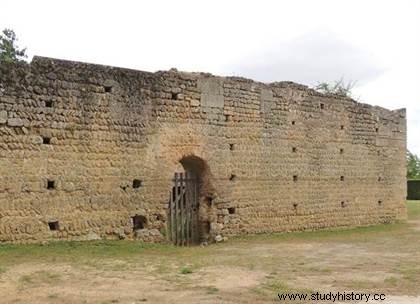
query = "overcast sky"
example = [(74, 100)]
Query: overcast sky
[(376, 43)]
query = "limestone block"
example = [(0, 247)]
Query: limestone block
[(36, 140), (15, 122), (267, 100), (211, 92), (3, 117)]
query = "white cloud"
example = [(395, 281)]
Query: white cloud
[(311, 58)]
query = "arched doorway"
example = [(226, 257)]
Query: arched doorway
[(188, 222)]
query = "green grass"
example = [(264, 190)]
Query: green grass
[(275, 286), (358, 234), (212, 289), (80, 251), (391, 280), (413, 208), (186, 270), (96, 252), (40, 277)]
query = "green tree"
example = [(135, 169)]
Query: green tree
[(9, 51), (413, 166), (338, 87)]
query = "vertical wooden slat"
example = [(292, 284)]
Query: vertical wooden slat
[(173, 220), (181, 210), (176, 210), (183, 213), (193, 211), (187, 208), (169, 218)]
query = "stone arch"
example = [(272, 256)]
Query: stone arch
[(198, 168)]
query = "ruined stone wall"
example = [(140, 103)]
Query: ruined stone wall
[(85, 148)]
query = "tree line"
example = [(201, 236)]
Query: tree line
[(413, 166)]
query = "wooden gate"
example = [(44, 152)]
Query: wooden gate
[(183, 210)]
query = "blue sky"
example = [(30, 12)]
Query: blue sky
[(376, 43)]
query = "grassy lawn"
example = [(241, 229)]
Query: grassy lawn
[(248, 269), (79, 251), (413, 209)]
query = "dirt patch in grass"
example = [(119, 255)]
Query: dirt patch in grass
[(252, 269)]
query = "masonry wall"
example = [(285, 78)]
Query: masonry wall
[(282, 157)]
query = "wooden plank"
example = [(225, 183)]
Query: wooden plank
[(181, 210), (173, 236), (169, 218), (183, 218), (190, 204), (176, 210), (187, 208), (194, 227)]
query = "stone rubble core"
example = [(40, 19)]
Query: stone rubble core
[(89, 152)]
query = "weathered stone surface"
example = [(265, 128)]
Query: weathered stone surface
[(91, 236), (277, 157), (218, 238), (211, 92), (36, 140), (15, 122), (3, 117), (148, 235)]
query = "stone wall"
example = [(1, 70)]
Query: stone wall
[(85, 148)]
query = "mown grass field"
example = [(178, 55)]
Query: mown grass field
[(250, 269)]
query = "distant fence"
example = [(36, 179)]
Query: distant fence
[(413, 189)]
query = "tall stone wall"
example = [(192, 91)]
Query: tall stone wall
[(84, 148)]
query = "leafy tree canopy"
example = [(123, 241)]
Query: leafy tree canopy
[(339, 87), (9, 51), (413, 166)]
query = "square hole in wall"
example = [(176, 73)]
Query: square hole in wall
[(139, 222), (342, 178), (137, 183), (294, 149), (232, 177), (231, 210), (295, 205), (227, 117), (293, 122), (322, 106), (341, 151), (209, 200), (379, 178), (376, 130), (54, 225), (50, 184), (174, 96), (231, 147), (343, 204), (48, 103), (108, 89), (342, 127), (295, 178), (46, 140), (379, 202)]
